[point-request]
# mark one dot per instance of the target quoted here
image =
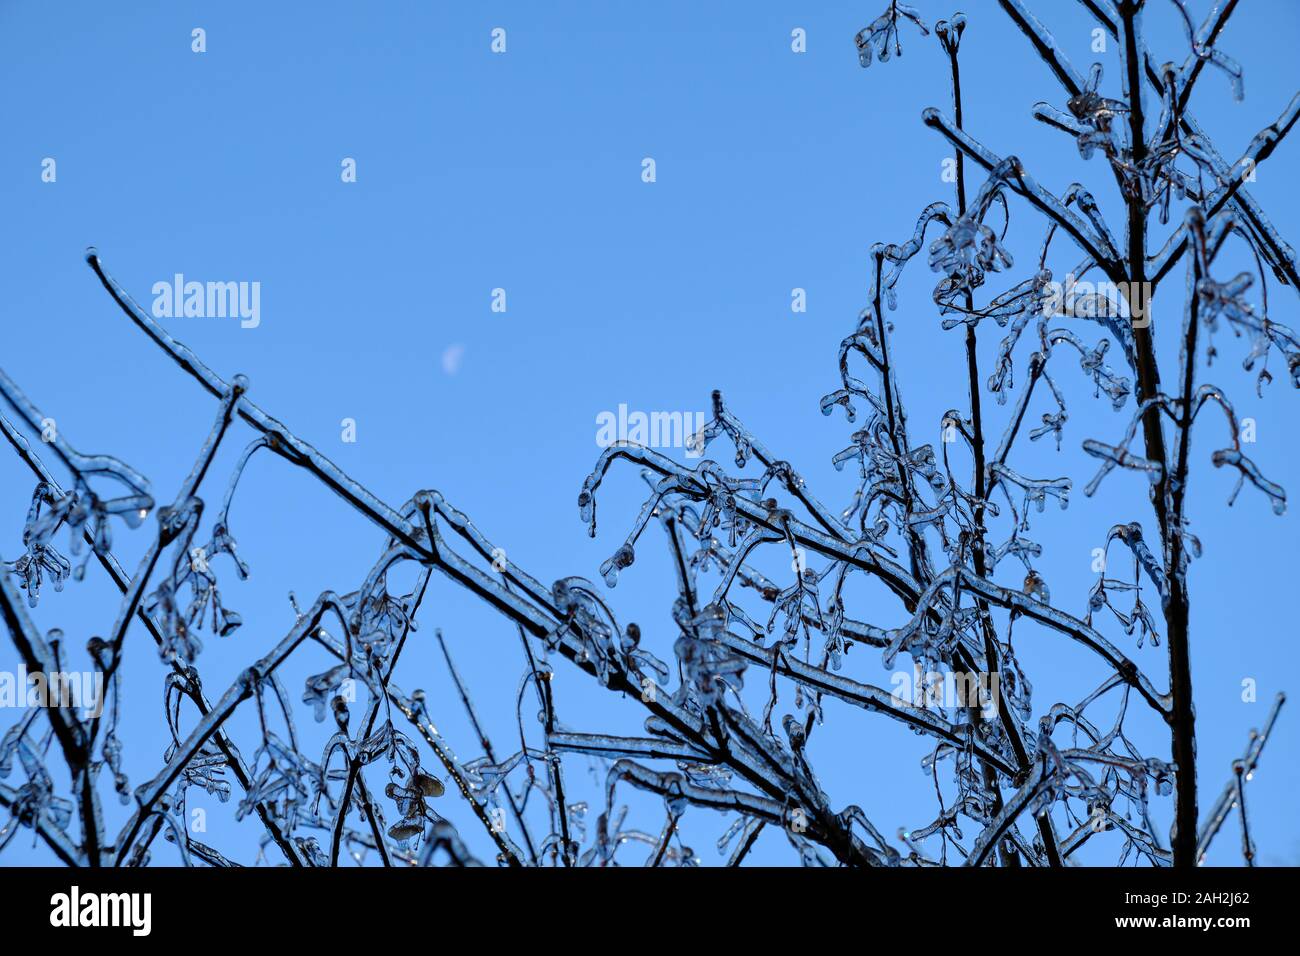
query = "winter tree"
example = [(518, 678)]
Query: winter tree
[(732, 686)]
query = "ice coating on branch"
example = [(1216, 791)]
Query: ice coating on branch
[(964, 254), (882, 34), (1249, 472), (707, 666), (41, 560), (1113, 456), (969, 247), (622, 558), (1203, 51), (1099, 117)]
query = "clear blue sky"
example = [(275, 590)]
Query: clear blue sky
[(523, 171)]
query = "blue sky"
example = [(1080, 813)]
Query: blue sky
[(522, 171)]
